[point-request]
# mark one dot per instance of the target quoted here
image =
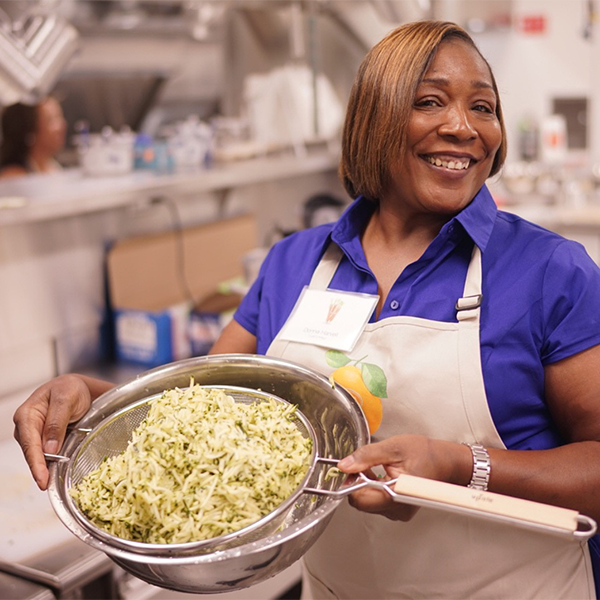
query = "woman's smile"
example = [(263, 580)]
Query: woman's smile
[(453, 163)]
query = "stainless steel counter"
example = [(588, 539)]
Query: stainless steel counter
[(28, 525), (65, 570), (17, 588)]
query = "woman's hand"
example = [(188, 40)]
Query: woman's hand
[(41, 421), (412, 454)]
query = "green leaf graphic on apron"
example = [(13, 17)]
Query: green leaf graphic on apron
[(336, 359), (374, 379), (365, 381)]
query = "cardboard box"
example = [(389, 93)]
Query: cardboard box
[(156, 280)]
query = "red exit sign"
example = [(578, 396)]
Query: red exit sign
[(532, 23)]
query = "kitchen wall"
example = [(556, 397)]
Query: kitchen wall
[(52, 295), (533, 68)]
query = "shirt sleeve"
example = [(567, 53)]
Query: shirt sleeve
[(571, 303)]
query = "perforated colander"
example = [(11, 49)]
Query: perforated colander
[(111, 437)]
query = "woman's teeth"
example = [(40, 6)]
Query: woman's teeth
[(456, 164)]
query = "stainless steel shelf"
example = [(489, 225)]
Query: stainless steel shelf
[(45, 197)]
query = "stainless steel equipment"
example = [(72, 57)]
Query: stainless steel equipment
[(69, 570), (339, 428), (32, 58)]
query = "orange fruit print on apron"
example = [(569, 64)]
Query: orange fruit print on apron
[(366, 382)]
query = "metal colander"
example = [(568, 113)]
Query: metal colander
[(111, 437), (340, 428)]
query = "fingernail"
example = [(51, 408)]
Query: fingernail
[(346, 462), (51, 447)]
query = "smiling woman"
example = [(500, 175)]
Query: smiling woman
[(384, 96), (479, 365)]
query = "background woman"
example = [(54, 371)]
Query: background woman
[(32, 135), (483, 345)]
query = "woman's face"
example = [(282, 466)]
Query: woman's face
[(51, 127), (452, 137)]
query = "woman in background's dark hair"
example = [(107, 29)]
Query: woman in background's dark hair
[(32, 135), (19, 125)]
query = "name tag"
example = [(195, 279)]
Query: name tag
[(329, 318)]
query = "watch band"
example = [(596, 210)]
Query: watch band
[(481, 467)]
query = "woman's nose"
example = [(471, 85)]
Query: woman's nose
[(457, 123)]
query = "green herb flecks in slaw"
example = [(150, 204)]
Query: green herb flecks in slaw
[(199, 466)]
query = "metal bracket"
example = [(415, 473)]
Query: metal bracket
[(469, 302)]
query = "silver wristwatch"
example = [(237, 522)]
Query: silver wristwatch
[(481, 467)]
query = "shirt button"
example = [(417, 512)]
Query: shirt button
[(394, 304)]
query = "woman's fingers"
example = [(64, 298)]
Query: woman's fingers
[(29, 422), (66, 404), (41, 421), (367, 457), (398, 452), (376, 501), (416, 455), (392, 455), (413, 454)]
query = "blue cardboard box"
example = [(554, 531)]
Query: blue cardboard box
[(152, 338)]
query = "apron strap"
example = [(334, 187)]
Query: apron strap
[(326, 269), (469, 306)]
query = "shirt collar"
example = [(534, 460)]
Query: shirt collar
[(352, 222), (477, 219)]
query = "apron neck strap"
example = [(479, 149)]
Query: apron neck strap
[(469, 306), (326, 269)]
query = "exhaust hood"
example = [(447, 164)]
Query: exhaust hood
[(33, 55)]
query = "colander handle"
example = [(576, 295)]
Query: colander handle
[(422, 492), (55, 457), (59, 457)]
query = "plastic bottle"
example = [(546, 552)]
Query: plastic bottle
[(143, 152)]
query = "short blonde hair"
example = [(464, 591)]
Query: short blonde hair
[(381, 101)]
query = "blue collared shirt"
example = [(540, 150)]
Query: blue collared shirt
[(541, 299), (541, 302)]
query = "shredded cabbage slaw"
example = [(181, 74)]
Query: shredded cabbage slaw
[(200, 465)]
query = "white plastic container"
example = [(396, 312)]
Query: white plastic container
[(107, 154)]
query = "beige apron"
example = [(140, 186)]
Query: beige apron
[(435, 388)]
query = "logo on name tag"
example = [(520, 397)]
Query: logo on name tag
[(334, 308)]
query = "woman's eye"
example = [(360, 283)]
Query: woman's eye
[(427, 102), (483, 108)]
